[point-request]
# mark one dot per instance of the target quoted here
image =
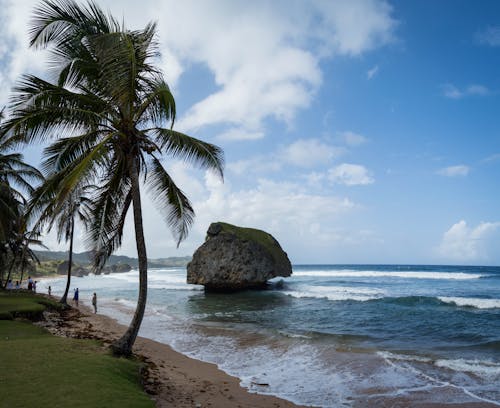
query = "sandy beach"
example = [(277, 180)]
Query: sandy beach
[(171, 378)]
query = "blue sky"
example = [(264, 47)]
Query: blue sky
[(354, 131)]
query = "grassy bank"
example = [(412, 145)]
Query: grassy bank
[(42, 370)]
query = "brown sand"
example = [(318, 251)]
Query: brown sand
[(171, 378)]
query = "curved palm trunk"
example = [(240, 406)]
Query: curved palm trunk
[(64, 299), (123, 346)]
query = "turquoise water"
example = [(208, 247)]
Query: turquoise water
[(332, 335)]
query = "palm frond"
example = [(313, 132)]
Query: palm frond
[(58, 22), (190, 149), (171, 201), (158, 105), (108, 214)]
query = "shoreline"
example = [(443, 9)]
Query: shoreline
[(171, 378)]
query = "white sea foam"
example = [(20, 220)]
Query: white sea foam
[(336, 293), (293, 335), (348, 273), (166, 277), (387, 355), (184, 286), (486, 370), (481, 368), (127, 303), (472, 302), (129, 277)]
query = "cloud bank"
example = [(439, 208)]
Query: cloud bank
[(462, 243), (264, 56)]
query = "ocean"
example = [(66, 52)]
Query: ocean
[(330, 335)]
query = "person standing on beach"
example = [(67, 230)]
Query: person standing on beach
[(50, 291), (30, 283), (75, 297), (94, 302)]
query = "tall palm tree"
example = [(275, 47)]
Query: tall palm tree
[(116, 113), (47, 208)]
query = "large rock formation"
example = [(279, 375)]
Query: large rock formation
[(116, 268), (234, 258)]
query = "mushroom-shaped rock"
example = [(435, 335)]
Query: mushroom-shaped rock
[(234, 258)]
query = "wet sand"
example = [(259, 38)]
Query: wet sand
[(171, 378), (175, 380)]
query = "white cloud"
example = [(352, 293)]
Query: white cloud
[(350, 175), (264, 56), (454, 171), (302, 153), (465, 244), (372, 72), (15, 56), (261, 164), (310, 153), (352, 139), (266, 62), (453, 92), (490, 36), (277, 70), (286, 210), (236, 134)]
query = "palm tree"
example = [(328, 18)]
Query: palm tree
[(48, 208), (19, 244), (113, 108), (16, 177)]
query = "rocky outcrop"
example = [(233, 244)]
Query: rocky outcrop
[(62, 268), (235, 258), (117, 268), (76, 270)]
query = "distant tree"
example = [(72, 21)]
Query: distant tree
[(48, 208), (16, 178), (113, 108), (20, 245)]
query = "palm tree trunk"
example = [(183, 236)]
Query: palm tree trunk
[(64, 299), (10, 271), (123, 346), (23, 265), (22, 275), (2, 264)]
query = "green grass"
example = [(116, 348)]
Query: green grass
[(24, 304), (42, 370)]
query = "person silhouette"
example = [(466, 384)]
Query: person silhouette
[(94, 302), (75, 297)]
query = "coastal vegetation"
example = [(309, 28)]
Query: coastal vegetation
[(108, 118), (16, 178), (43, 370)]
